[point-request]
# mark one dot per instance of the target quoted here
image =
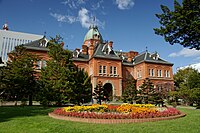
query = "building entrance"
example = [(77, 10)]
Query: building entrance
[(108, 91)]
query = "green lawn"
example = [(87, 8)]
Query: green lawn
[(36, 120)]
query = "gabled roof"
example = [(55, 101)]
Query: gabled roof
[(102, 50), (105, 51), (151, 58), (40, 44), (79, 56)]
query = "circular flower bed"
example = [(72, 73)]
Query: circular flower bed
[(116, 112)]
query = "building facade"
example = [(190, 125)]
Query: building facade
[(99, 59), (113, 68), (10, 39)]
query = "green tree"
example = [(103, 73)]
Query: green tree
[(56, 78), (187, 83), (2, 84), (188, 77), (19, 76), (181, 25), (82, 87), (147, 91), (98, 93), (195, 96), (130, 92)]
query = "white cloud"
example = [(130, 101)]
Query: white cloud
[(97, 5), (186, 53), (74, 4), (86, 20), (124, 4), (64, 18), (81, 1), (71, 19)]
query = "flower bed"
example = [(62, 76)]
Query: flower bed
[(124, 111)]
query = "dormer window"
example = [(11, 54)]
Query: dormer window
[(43, 43), (107, 51)]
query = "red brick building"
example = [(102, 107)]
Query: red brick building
[(111, 67)]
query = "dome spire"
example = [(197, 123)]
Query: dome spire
[(93, 23), (93, 32)]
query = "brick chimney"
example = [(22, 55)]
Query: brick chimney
[(77, 49), (91, 50), (131, 55), (84, 49), (110, 44)]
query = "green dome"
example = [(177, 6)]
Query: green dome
[(93, 33)]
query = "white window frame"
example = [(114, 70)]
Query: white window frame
[(104, 69), (38, 65), (111, 70), (152, 72), (100, 69), (160, 73), (115, 71)]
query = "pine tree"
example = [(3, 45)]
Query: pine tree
[(181, 25), (98, 93), (56, 79), (130, 92), (19, 76), (82, 87), (147, 91)]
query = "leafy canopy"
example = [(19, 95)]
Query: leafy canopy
[(61, 81), (18, 77), (187, 82), (182, 25)]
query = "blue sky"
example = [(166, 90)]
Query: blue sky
[(128, 23)]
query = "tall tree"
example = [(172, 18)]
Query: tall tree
[(19, 76), (2, 84), (81, 88), (181, 25), (147, 90), (130, 92), (56, 78), (187, 82), (98, 93), (188, 77)]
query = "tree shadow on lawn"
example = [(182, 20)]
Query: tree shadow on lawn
[(9, 112)]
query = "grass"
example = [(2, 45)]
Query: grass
[(35, 120)]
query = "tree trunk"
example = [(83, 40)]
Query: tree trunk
[(30, 100)]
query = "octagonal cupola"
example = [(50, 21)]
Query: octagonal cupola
[(93, 34)]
